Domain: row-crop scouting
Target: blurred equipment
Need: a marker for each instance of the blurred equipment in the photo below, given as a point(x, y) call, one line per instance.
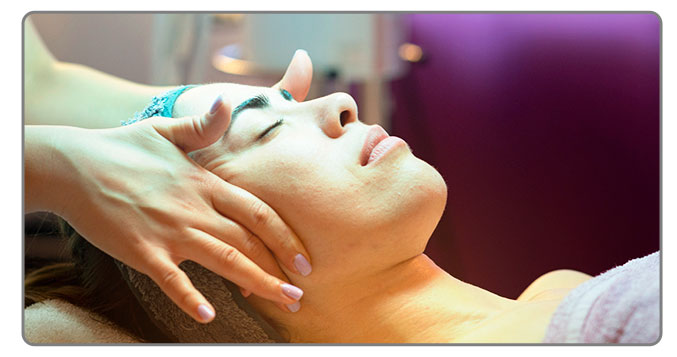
point(179, 48)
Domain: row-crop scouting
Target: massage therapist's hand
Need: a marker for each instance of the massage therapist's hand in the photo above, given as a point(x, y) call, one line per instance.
point(135, 194)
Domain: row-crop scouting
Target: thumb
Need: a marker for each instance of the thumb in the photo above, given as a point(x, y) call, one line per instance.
point(196, 132)
point(298, 77)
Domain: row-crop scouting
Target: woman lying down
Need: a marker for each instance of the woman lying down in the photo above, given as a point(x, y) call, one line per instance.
point(365, 207)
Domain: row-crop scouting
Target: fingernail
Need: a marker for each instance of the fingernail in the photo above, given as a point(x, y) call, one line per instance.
point(302, 265)
point(205, 312)
point(216, 105)
point(292, 291)
point(294, 307)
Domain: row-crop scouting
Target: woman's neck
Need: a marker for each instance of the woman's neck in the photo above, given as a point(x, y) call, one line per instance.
point(412, 302)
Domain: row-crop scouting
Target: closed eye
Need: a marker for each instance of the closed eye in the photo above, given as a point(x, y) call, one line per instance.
point(265, 132)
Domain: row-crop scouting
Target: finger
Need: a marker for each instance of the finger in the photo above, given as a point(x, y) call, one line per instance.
point(177, 286)
point(255, 215)
point(231, 264)
point(297, 78)
point(291, 308)
point(197, 132)
point(244, 241)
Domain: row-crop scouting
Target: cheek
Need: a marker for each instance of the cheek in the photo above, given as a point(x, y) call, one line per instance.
point(315, 187)
point(388, 214)
point(306, 184)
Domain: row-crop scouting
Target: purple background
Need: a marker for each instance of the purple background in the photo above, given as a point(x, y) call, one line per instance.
point(546, 128)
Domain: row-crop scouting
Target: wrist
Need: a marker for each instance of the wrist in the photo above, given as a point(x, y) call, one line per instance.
point(48, 180)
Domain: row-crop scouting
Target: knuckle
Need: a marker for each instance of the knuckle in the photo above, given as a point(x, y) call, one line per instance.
point(254, 247)
point(196, 126)
point(172, 283)
point(266, 284)
point(229, 256)
point(185, 297)
point(169, 278)
point(209, 183)
point(260, 214)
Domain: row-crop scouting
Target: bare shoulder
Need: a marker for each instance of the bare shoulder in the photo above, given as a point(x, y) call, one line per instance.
point(527, 321)
point(553, 284)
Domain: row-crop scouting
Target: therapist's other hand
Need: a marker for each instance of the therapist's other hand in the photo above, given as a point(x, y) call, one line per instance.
point(136, 195)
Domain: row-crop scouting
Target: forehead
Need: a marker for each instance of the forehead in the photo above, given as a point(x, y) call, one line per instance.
point(238, 93)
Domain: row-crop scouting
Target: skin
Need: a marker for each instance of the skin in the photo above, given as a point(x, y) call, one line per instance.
point(313, 159)
point(365, 226)
point(95, 174)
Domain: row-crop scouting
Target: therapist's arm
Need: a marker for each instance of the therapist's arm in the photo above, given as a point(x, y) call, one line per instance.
point(60, 93)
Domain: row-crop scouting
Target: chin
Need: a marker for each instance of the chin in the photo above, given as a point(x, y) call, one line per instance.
point(431, 194)
point(429, 186)
point(438, 187)
point(417, 200)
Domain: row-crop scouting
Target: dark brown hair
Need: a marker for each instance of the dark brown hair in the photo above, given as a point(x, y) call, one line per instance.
point(91, 280)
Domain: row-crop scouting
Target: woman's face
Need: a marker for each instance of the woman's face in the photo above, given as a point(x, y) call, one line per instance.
point(310, 162)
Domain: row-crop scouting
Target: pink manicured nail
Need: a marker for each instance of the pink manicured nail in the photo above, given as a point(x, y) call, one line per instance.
point(292, 291)
point(294, 307)
point(302, 265)
point(205, 312)
point(216, 105)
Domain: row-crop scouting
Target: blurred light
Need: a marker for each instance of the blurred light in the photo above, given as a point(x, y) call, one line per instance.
point(228, 59)
point(232, 65)
point(229, 18)
point(410, 52)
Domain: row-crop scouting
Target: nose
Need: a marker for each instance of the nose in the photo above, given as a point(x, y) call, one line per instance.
point(339, 110)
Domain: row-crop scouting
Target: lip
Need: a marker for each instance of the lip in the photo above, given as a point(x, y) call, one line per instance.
point(377, 144)
point(375, 135)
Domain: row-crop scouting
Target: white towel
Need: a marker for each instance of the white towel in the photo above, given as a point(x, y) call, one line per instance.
point(621, 305)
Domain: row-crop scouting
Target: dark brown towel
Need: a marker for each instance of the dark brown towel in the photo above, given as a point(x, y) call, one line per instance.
point(236, 321)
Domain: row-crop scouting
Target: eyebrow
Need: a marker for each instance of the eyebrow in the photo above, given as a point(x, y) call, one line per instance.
point(258, 102)
point(261, 101)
